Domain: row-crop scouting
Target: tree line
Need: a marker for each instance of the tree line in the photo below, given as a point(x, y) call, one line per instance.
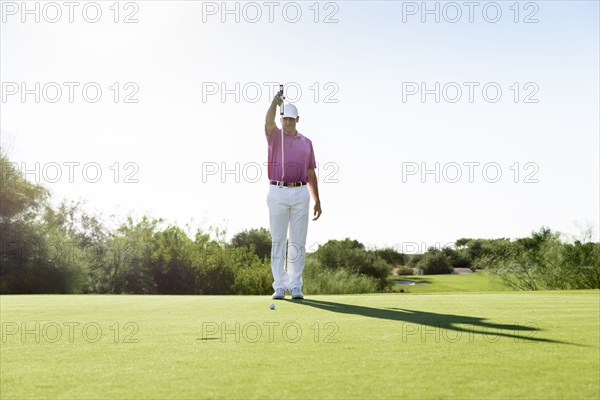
point(46, 249)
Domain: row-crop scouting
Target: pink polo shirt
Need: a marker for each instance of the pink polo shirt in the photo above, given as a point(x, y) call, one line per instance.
point(298, 155)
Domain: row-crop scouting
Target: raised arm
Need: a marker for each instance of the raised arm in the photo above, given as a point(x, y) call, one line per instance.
point(270, 118)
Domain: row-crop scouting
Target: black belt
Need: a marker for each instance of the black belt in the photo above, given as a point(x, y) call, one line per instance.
point(287, 184)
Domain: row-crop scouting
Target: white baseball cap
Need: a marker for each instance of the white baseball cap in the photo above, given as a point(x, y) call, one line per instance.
point(290, 111)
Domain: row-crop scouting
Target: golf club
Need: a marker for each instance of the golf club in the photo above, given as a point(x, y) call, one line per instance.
point(281, 113)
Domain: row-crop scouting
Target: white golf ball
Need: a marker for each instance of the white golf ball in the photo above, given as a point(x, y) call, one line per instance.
point(272, 306)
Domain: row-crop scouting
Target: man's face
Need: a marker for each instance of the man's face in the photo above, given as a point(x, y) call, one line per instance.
point(289, 124)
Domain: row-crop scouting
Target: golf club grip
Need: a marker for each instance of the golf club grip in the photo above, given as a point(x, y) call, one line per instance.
point(281, 108)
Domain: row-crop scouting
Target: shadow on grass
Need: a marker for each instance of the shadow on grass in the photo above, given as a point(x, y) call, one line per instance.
point(436, 322)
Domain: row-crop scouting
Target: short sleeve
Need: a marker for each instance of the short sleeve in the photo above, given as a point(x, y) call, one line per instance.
point(311, 157)
point(276, 131)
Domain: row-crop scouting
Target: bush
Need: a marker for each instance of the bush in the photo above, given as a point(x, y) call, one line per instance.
point(318, 280)
point(391, 256)
point(373, 266)
point(543, 262)
point(255, 279)
point(584, 262)
point(216, 278)
point(339, 253)
point(405, 270)
point(458, 259)
point(351, 256)
point(436, 263)
point(37, 256)
point(414, 260)
point(259, 240)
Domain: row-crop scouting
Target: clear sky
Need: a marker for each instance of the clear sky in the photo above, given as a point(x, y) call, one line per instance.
point(517, 87)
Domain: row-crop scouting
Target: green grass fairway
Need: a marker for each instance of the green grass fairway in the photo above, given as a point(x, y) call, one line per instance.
point(476, 282)
point(455, 345)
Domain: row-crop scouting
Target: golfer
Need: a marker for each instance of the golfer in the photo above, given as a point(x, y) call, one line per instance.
point(292, 180)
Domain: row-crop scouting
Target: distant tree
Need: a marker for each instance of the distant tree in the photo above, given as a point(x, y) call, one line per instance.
point(461, 243)
point(542, 261)
point(17, 195)
point(393, 257)
point(435, 262)
point(457, 258)
point(132, 259)
point(259, 240)
point(339, 253)
point(35, 246)
point(351, 255)
point(537, 239)
point(414, 259)
point(584, 260)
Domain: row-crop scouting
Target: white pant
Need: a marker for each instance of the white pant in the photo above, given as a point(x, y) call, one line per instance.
point(288, 208)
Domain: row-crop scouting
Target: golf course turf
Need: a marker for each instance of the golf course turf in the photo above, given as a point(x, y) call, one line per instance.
point(453, 345)
point(476, 282)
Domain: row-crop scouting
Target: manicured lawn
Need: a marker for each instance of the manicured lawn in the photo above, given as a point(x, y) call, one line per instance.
point(454, 345)
point(476, 282)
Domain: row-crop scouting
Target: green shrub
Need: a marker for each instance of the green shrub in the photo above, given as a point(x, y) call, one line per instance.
point(339, 253)
point(457, 258)
point(351, 256)
point(414, 260)
point(543, 262)
point(255, 279)
point(324, 281)
point(259, 240)
point(405, 270)
point(436, 263)
point(391, 256)
point(216, 278)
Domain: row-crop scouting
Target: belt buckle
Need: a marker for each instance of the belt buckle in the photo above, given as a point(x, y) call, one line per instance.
point(280, 184)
